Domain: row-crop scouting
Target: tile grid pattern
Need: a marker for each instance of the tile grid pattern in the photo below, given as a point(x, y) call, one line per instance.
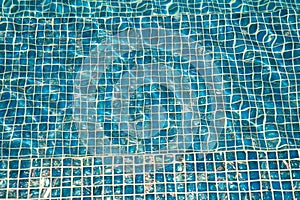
point(43, 157)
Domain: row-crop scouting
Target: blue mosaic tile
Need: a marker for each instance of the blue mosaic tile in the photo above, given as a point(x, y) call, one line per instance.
point(254, 46)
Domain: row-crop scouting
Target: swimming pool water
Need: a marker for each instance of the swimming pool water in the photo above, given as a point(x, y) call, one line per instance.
point(254, 51)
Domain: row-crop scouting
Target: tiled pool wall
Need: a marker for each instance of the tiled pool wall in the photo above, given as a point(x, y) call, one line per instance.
point(226, 175)
point(255, 45)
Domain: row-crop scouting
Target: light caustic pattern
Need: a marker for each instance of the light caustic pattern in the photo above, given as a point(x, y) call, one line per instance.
point(148, 90)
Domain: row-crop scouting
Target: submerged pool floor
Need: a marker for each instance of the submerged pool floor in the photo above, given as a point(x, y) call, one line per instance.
point(149, 100)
